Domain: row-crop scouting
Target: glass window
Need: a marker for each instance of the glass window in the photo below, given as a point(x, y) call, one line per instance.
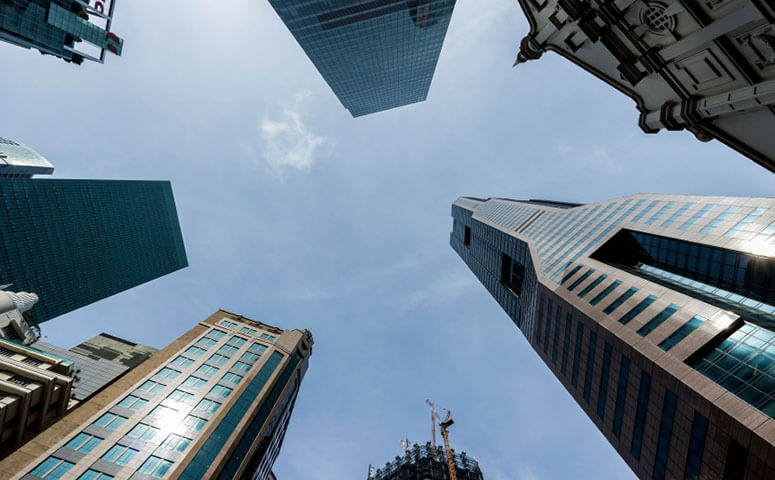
point(577, 354)
point(637, 309)
point(182, 362)
point(619, 301)
point(119, 454)
point(640, 415)
point(218, 359)
point(216, 334)
point(682, 332)
point(715, 222)
point(176, 442)
point(268, 337)
point(697, 216)
point(94, 475)
point(570, 273)
point(590, 365)
point(221, 391)
point(621, 396)
point(750, 218)
point(228, 350)
point(241, 366)
point(206, 342)
point(194, 423)
point(151, 387)
point(581, 279)
point(229, 324)
point(207, 370)
point(250, 357)
point(547, 325)
point(168, 373)
point(238, 341)
point(180, 396)
point(249, 331)
point(565, 344)
point(645, 211)
point(83, 442)
point(665, 433)
point(696, 447)
point(161, 411)
point(133, 403)
point(592, 285)
point(144, 432)
point(195, 382)
point(677, 214)
point(110, 421)
point(659, 213)
point(52, 468)
point(193, 351)
point(155, 467)
point(603, 391)
point(657, 320)
point(208, 405)
point(600, 296)
point(231, 378)
point(257, 348)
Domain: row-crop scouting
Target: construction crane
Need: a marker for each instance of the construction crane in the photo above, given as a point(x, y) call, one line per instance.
point(405, 444)
point(434, 417)
point(445, 434)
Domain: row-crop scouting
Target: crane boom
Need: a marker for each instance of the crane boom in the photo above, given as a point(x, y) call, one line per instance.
point(450, 457)
point(434, 416)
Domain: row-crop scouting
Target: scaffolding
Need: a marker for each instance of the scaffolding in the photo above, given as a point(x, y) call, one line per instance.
point(422, 463)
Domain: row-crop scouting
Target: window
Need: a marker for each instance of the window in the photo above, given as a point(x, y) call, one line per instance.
point(512, 274)
point(268, 337)
point(257, 348)
point(659, 213)
point(644, 304)
point(540, 320)
point(155, 467)
point(194, 423)
point(132, 403)
point(556, 339)
point(577, 355)
point(218, 359)
point(722, 216)
point(665, 432)
point(605, 292)
point(590, 365)
point(205, 342)
point(467, 236)
point(621, 395)
point(250, 357)
point(228, 350)
point(168, 373)
point(209, 406)
point(119, 454)
point(52, 468)
point(231, 378)
point(657, 320)
point(677, 214)
point(180, 396)
point(697, 216)
point(207, 370)
point(83, 442)
point(682, 332)
point(176, 442)
point(144, 432)
point(737, 458)
point(750, 218)
point(151, 387)
point(229, 324)
point(216, 334)
point(570, 273)
point(696, 447)
point(566, 344)
point(640, 414)
point(581, 279)
point(547, 325)
point(221, 391)
point(592, 285)
point(619, 301)
point(182, 362)
point(110, 421)
point(249, 331)
point(161, 411)
point(194, 382)
point(94, 475)
point(241, 366)
point(238, 341)
point(603, 391)
point(194, 351)
point(645, 211)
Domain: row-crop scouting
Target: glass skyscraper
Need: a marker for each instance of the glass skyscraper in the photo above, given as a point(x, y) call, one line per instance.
point(73, 242)
point(374, 54)
point(655, 312)
point(214, 404)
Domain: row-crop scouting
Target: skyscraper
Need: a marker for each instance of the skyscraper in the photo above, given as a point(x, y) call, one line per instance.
point(705, 66)
point(73, 242)
point(213, 404)
point(72, 30)
point(425, 463)
point(18, 160)
point(655, 312)
point(375, 55)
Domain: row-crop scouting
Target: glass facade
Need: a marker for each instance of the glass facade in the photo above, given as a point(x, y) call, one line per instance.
point(74, 242)
point(374, 54)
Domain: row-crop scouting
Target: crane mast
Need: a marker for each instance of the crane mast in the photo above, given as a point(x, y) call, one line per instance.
point(450, 456)
point(434, 416)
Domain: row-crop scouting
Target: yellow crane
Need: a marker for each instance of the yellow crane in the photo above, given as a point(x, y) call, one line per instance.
point(450, 456)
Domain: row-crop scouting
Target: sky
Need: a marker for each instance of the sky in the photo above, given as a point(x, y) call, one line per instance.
point(297, 215)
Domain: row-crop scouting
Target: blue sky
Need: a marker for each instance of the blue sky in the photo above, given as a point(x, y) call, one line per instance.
point(298, 215)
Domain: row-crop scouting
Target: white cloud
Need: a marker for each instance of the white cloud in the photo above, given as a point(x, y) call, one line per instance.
point(287, 142)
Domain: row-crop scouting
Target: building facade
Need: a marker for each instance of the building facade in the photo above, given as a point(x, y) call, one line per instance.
point(73, 242)
point(655, 312)
point(19, 160)
point(422, 462)
point(707, 66)
point(72, 30)
point(374, 55)
point(213, 404)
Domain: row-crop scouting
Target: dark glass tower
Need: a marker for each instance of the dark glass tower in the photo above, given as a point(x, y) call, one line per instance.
point(655, 312)
point(375, 55)
point(74, 242)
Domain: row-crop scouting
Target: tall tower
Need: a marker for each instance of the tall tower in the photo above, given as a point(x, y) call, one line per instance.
point(213, 404)
point(73, 242)
point(374, 55)
point(655, 312)
point(706, 66)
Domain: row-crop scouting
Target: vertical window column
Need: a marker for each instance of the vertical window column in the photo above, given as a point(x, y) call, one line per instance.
point(696, 447)
point(621, 395)
point(601, 397)
point(577, 355)
point(665, 433)
point(590, 365)
point(640, 414)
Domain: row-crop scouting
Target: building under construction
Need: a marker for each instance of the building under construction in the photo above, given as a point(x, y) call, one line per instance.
point(426, 463)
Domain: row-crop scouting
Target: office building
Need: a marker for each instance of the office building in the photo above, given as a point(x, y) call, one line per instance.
point(374, 55)
point(98, 362)
point(19, 160)
point(706, 66)
point(73, 242)
point(213, 404)
point(34, 387)
point(655, 312)
point(425, 463)
point(72, 30)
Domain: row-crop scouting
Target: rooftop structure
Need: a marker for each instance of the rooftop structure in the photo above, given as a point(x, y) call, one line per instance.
point(655, 312)
point(422, 462)
point(375, 55)
point(72, 30)
point(18, 160)
point(74, 242)
point(706, 66)
point(115, 349)
point(213, 404)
